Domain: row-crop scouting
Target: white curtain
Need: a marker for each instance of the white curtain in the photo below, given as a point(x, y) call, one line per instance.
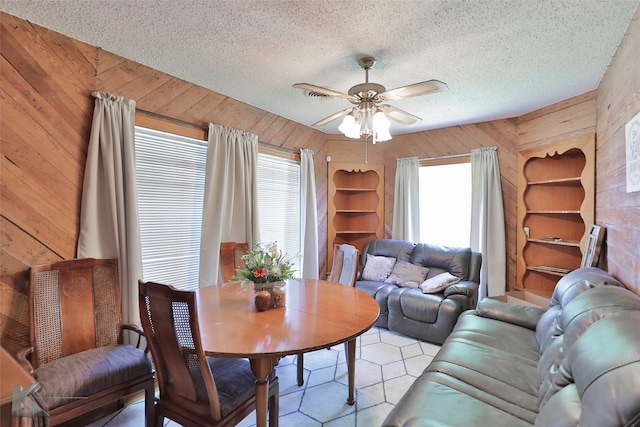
point(109, 225)
point(406, 203)
point(487, 221)
point(309, 217)
point(230, 208)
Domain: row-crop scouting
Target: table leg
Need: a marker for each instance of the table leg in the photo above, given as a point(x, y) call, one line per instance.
point(261, 368)
point(350, 347)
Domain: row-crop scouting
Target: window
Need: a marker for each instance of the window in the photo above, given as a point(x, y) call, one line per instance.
point(445, 204)
point(170, 174)
point(279, 199)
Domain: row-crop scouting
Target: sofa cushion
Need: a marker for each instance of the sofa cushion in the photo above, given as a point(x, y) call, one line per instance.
point(482, 331)
point(503, 373)
point(520, 315)
point(438, 283)
point(577, 317)
point(579, 281)
point(438, 400)
point(407, 275)
point(605, 363)
point(442, 259)
point(597, 380)
point(88, 372)
point(378, 268)
point(399, 249)
point(563, 411)
point(234, 381)
point(413, 304)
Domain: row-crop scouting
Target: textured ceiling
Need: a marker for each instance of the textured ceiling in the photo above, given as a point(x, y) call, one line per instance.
point(500, 58)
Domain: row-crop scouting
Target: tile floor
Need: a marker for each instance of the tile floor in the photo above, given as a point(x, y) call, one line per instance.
point(387, 364)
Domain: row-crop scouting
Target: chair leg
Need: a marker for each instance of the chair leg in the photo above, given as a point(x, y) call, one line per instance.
point(274, 403)
point(149, 404)
point(300, 363)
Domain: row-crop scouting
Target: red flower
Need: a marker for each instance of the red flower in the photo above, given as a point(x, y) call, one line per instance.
point(260, 272)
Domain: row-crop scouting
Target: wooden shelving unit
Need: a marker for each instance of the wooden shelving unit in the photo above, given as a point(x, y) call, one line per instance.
point(355, 204)
point(556, 202)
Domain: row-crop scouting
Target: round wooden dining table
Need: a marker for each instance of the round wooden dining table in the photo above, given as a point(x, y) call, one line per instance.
point(317, 314)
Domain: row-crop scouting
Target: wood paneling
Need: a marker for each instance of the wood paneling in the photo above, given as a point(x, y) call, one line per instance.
point(619, 101)
point(46, 116)
point(565, 120)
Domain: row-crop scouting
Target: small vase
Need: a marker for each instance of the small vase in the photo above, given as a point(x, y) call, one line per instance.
point(279, 294)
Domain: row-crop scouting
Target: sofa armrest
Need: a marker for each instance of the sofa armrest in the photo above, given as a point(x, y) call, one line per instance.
point(521, 315)
point(466, 289)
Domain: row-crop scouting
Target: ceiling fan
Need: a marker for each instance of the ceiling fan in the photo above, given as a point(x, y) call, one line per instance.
point(369, 99)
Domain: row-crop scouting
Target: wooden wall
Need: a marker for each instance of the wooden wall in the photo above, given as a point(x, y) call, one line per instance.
point(618, 101)
point(558, 122)
point(45, 87)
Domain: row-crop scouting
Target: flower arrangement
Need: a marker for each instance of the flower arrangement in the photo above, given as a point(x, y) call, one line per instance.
point(264, 263)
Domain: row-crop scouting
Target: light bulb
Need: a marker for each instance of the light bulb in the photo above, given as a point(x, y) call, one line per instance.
point(381, 127)
point(349, 127)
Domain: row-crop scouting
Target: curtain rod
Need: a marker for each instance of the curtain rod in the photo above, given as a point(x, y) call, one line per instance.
point(172, 119)
point(277, 147)
point(206, 128)
point(450, 156)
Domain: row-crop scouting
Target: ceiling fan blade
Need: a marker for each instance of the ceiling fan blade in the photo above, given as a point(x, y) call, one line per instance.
point(399, 115)
point(322, 90)
point(416, 89)
point(333, 117)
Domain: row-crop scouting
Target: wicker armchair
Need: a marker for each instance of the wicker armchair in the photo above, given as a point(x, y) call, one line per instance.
point(76, 335)
point(344, 269)
point(195, 390)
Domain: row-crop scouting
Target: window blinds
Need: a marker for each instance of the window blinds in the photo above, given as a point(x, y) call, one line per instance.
point(279, 199)
point(170, 173)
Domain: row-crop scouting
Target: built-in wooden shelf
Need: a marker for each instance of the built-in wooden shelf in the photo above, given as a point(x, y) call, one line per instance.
point(575, 243)
point(556, 204)
point(355, 189)
point(355, 205)
point(571, 180)
point(549, 270)
point(548, 212)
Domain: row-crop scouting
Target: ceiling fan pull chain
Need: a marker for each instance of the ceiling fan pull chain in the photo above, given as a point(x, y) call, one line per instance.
point(366, 152)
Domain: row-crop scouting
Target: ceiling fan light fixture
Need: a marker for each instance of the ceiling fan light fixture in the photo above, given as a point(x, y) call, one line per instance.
point(370, 117)
point(349, 127)
point(381, 127)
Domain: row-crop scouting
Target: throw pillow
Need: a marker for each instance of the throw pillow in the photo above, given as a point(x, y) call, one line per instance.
point(407, 275)
point(438, 283)
point(378, 268)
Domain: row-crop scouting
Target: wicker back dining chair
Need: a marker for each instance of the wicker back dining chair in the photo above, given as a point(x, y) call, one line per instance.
point(345, 265)
point(231, 258)
point(195, 390)
point(344, 269)
point(76, 332)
